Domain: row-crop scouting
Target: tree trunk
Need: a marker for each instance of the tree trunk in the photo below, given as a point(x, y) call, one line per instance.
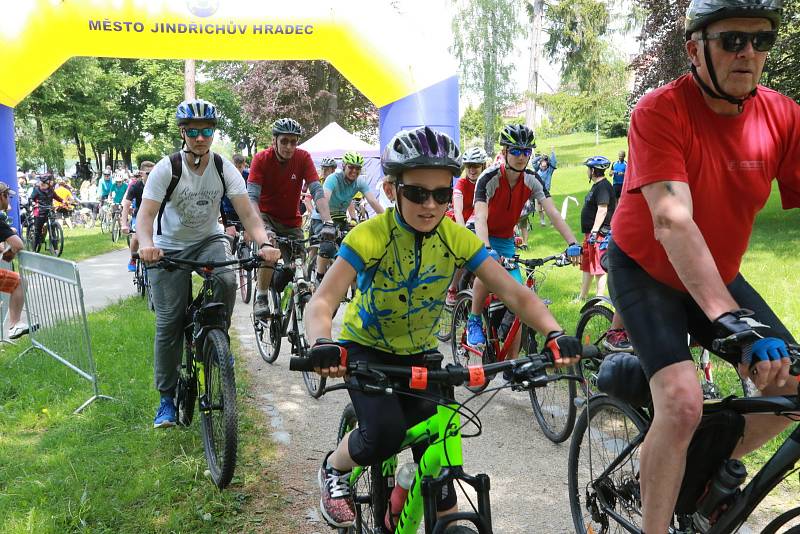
point(189, 77)
point(127, 153)
point(334, 85)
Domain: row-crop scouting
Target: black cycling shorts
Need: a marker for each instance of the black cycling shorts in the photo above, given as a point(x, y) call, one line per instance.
point(658, 317)
point(383, 419)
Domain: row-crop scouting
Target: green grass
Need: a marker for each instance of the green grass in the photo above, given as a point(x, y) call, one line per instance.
point(770, 264)
point(82, 243)
point(107, 470)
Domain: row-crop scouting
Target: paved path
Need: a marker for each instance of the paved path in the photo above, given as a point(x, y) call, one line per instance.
point(105, 279)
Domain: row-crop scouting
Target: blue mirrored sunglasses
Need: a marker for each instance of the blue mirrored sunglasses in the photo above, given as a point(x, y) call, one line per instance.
point(194, 132)
point(520, 151)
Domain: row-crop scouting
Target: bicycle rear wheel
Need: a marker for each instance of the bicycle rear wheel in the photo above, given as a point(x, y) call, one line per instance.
point(554, 404)
point(786, 523)
point(370, 488)
point(606, 429)
point(245, 275)
point(269, 330)
point(218, 415)
point(30, 238)
point(592, 328)
point(186, 390)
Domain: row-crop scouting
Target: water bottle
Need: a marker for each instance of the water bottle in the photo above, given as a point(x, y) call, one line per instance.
point(403, 480)
point(505, 325)
point(726, 481)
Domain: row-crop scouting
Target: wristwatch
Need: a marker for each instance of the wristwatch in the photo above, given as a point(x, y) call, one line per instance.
point(264, 245)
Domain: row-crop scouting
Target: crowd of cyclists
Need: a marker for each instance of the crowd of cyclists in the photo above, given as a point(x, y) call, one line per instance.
point(667, 234)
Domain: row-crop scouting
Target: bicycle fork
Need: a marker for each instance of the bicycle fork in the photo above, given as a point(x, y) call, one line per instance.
point(443, 457)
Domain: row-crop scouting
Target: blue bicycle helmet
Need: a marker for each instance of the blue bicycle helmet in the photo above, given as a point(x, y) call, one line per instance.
point(598, 162)
point(195, 110)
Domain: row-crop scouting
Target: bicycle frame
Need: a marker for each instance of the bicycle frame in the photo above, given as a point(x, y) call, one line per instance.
point(441, 462)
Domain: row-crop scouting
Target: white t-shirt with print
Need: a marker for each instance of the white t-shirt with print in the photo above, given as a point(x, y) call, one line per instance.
point(192, 213)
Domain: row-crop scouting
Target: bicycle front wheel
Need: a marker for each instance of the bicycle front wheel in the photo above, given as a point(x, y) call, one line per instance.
point(55, 239)
point(592, 328)
point(315, 384)
point(218, 415)
point(554, 404)
point(458, 336)
point(370, 488)
point(445, 324)
point(607, 431)
point(116, 230)
point(269, 330)
point(245, 275)
point(105, 223)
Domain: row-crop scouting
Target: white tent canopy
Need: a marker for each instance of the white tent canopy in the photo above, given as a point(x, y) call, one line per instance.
point(333, 141)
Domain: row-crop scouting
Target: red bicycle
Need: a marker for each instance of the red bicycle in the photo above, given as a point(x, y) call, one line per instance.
point(552, 405)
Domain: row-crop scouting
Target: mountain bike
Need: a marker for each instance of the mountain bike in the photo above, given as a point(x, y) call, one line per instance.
point(592, 328)
point(442, 461)
point(289, 292)
point(552, 406)
point(603, 468)
point(206, 374)
point(52, 233)
point(141, 282)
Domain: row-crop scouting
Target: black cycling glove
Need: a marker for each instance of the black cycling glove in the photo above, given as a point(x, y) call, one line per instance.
point(562, 345)
point(328, 232)
point(327, 353)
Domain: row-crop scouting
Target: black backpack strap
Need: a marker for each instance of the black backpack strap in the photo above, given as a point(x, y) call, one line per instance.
point(177, 170)
point(218, 165)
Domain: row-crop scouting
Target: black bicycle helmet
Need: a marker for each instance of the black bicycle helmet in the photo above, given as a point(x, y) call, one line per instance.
point(421, 148)
point(287, 126)
point(517, 136)
point(701, 13)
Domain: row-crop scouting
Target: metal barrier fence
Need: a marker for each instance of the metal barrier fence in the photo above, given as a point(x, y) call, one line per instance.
point(56, 315)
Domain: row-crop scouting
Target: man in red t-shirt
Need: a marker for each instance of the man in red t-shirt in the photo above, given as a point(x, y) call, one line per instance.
point(277, 176)
point(704, 151)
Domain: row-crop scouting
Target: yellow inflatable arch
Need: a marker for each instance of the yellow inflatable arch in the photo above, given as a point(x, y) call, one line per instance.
point(372, 45)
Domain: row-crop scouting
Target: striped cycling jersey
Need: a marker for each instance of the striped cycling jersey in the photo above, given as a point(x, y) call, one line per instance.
point(402, 281)
point(505, 204)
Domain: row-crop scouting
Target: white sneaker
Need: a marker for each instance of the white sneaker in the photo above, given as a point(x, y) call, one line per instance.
point(19, 330)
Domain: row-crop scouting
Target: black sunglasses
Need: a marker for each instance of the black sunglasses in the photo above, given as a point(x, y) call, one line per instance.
point(737, 41)
point(420, 195)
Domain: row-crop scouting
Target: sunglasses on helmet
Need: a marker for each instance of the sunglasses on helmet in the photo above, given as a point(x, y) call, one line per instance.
point(734, 41)
point(420, 195)
point(194, 132)
point(516, 151)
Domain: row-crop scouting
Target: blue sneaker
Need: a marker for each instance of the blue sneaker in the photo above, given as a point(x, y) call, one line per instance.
point(475, 336)
point(165, 416)
point(132, 266)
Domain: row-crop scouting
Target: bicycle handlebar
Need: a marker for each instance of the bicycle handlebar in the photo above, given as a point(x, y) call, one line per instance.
point(511, 263)
point(526, 369)
point(173, 263)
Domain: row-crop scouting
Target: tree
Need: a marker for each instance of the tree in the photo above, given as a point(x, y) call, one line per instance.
point(593, 77)
point(484, 33)
point(783, 62)
point(662, 55)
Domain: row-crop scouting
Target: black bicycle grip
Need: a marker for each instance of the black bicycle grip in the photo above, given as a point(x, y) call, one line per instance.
point(300, 364)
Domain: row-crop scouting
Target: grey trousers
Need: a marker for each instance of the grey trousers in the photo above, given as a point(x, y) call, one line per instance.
point(171, 292)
